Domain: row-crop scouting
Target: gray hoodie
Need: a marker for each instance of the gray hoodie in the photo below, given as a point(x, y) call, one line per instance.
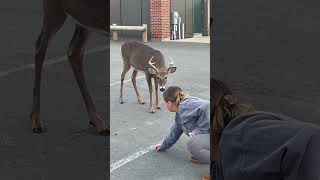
point(193, 115)
point(268, 146)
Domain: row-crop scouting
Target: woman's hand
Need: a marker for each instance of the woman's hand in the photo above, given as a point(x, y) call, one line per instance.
point(158, 147)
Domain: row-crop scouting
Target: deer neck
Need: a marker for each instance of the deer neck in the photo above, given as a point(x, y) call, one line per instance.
point(158, 61)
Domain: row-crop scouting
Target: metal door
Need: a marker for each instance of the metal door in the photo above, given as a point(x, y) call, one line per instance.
point(198, 16)
point(131, 16)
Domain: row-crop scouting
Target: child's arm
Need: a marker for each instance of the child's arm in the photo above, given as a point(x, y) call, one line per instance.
point(172, 138)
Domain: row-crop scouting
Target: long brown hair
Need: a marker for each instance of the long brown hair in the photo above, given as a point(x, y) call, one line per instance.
point(224, 108)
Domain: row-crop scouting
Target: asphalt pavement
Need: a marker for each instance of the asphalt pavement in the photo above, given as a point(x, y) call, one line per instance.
point(268, 53)
point(69, 148)
point(135, 131)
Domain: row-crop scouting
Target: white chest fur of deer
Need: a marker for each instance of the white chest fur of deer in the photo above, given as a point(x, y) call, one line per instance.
point(148, 60)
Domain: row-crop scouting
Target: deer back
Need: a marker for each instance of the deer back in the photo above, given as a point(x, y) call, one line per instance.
point(138, 56)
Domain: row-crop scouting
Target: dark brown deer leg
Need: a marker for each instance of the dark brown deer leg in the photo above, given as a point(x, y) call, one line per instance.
point(148, 77)
point(156, 90)
point(126, 68)
point(47, 33)
point(75, 54)
point(134, 82)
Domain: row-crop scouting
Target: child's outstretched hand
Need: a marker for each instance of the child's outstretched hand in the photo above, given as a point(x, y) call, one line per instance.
point(158, 147)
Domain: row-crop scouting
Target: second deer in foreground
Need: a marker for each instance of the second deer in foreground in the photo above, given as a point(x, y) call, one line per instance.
point(148, 60)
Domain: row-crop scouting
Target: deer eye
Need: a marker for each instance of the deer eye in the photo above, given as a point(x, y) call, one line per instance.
point(165, 78)
point(158, 78)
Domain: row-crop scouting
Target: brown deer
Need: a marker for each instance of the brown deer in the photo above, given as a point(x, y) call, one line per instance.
point(148, 60)
point(90, 15)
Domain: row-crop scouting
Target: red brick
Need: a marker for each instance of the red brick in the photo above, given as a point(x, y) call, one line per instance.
point(160, 19)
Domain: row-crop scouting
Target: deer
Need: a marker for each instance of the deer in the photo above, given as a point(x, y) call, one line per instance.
point(145, 59)
point(90, 16)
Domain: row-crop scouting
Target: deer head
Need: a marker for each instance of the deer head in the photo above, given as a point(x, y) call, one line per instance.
point(161, 74)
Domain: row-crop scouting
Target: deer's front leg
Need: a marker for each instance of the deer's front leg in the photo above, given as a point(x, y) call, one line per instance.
point(156, 90)
point(148, 76)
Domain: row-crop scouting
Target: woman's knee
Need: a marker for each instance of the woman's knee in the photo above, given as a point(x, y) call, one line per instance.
point(192, 145)
point(201, 141)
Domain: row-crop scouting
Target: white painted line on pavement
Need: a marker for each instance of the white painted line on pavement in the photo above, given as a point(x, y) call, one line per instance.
point(139, 77)
point(130, 158)
point(50, 61)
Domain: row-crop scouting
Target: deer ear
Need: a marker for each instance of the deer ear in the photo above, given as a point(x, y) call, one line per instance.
point(152, 71)
point(172, 69)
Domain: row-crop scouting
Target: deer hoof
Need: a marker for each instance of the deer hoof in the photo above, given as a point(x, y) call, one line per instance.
point(121, 101)
point(158, 107)
point(36, 125)
point(105, 132)
point(37, 130)
point(141, 101)
point(151, 110)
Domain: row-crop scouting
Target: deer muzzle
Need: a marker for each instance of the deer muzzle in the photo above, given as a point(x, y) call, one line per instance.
point(162, 88)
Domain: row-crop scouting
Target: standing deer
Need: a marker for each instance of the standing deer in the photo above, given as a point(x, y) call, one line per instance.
point(90, 15)
point(148, 60)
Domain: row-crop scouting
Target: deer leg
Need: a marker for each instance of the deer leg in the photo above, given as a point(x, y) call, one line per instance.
point(148, 77)
point(134, 82)
point(47, 33)
point(126, 68)
point(156, 90)
point(75, 55)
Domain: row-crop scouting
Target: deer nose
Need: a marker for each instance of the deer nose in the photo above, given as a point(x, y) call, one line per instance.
point(162, 89)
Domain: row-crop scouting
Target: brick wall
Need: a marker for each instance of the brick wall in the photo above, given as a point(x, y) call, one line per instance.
point(160, 19)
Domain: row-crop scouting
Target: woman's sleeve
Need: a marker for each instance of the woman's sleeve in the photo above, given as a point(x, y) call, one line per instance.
point(174, 135)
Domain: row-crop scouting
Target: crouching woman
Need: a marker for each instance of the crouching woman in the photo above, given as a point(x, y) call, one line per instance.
point(192, 117)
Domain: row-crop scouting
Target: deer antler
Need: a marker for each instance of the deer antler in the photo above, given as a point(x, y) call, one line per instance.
point(171, 63)
point(152, 64)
